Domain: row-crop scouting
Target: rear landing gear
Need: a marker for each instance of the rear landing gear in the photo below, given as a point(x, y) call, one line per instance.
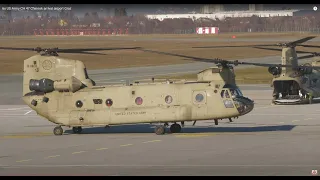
point(58, 131)
point(216, 121)
point(175, 128)
point(160, 130)
point(77, 130)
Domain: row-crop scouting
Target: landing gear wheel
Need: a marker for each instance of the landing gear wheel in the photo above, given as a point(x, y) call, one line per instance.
point(175, 128)
point(310, 100)
point(160, 130)
point(216, 122)
point(58, 131)
point(77, 130)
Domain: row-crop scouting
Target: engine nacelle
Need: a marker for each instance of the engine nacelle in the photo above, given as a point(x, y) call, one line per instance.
point(274, 70)
point(47, 85)
point(307, 69)
point(42, 85)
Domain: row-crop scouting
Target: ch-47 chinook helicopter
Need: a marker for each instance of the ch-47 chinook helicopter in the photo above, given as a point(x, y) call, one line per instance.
point(61, 91)
point(292, 84)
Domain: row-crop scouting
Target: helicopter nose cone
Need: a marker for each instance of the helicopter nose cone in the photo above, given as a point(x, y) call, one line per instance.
point(244, 105)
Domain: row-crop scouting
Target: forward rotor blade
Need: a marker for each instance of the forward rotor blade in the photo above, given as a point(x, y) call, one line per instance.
point(296, 43)
point(235, 46)
point(79, 50)
point(235, 62)
point(92, 49)
point(273, 49)
point(300, 41)
point(184, 56)
point(312, 46)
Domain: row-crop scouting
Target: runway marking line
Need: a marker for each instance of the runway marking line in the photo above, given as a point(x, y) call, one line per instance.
point(25, 160)
point(268, 106)
point(195, 135)
point(79, 152)
point(281, 122)
point(265, 107)
point(21, 136)
point(101, 149)
point(152, 141)
point(28, 112)
point(126, 145)
point(308, 119)
point(52, 156)
point(221, 133)
point(13, 109)
point(295, 120)
point(15, 137)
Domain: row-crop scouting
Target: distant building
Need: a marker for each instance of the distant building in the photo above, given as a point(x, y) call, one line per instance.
point(255, 7)
point(211, 8)
point(223, 15)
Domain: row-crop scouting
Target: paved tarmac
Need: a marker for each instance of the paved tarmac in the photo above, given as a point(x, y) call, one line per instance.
point(271, 140)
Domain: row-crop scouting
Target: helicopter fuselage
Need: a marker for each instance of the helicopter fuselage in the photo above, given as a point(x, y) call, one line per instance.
point(139, 103)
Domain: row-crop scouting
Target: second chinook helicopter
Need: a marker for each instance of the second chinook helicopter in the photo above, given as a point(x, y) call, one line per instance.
point(292, 84)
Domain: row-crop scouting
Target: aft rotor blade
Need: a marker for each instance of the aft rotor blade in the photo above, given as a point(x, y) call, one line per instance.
point(80, 52)
point(306, 56)
point(18, 49)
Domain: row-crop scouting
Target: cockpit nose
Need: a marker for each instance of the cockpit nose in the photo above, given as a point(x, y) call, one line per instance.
point(244, 105)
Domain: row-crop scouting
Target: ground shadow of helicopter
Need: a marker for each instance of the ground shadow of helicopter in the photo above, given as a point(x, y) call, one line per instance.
point(147, 128)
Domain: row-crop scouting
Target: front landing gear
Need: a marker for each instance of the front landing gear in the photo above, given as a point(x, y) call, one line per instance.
point(216, 121)
point(58, 131)
point(175, 128)
point(77, 130)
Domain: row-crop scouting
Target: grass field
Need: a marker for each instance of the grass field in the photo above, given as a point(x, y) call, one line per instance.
point(12, 61)
point(256, 75)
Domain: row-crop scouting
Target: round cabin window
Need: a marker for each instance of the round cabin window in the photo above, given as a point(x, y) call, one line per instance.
point(199, 97)
point(168, 99)
point(79, 104)
point(109, 102)
point(138, 100)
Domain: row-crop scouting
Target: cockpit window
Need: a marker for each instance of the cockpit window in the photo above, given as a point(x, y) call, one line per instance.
point(234, 90)
point(225, 94)
point(86, 73)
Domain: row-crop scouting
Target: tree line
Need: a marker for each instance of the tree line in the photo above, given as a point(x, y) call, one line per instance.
point(139, 24)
